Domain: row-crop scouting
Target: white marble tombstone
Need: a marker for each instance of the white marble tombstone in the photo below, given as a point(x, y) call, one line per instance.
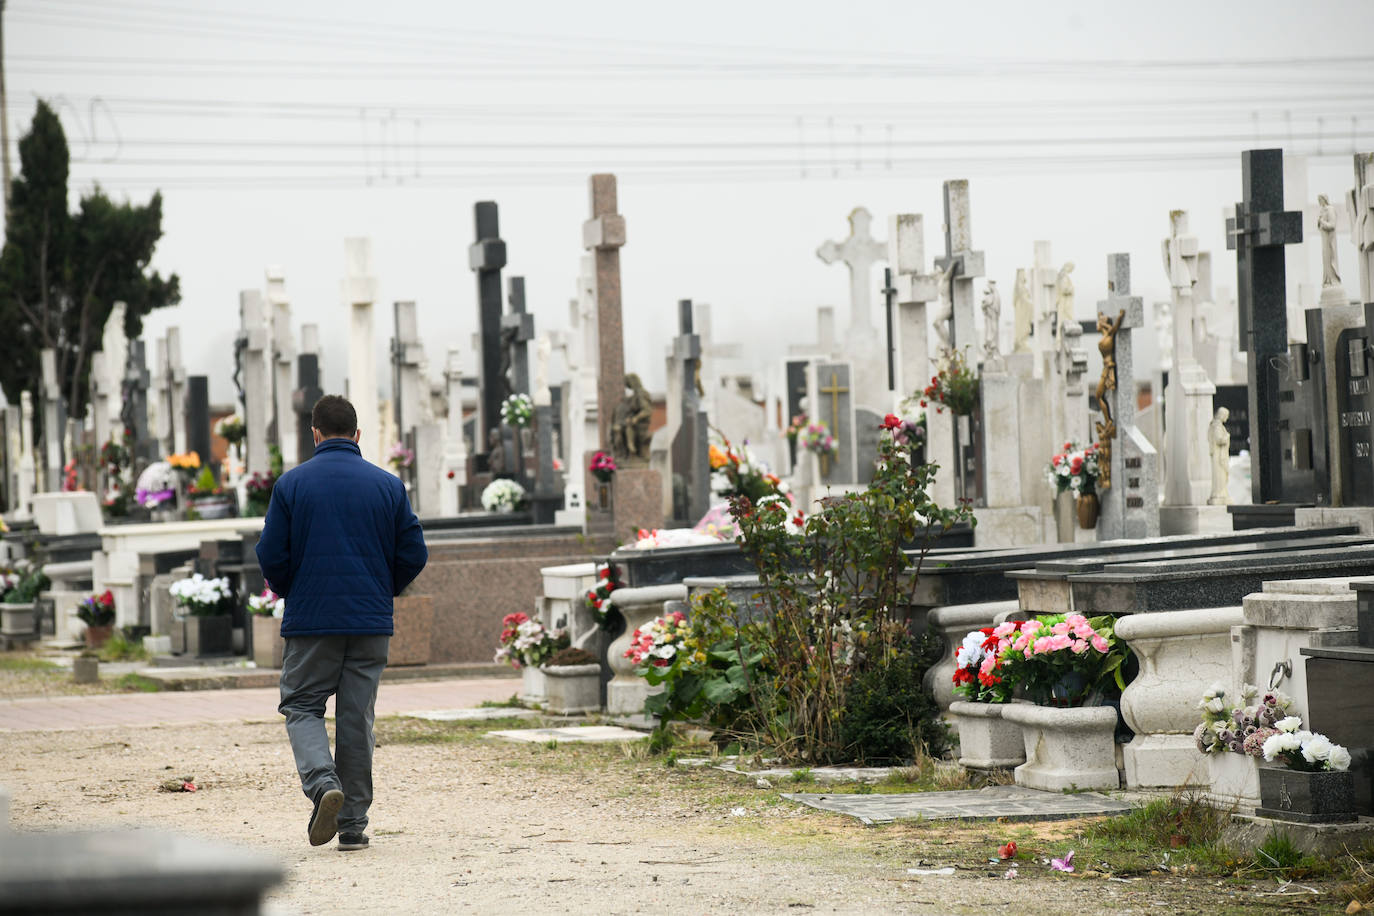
point(283, 364)
point(52, 422)
point(359, 292)
point(115, 346)
point(257, 383)
point(409, 353)
point(1360, 210)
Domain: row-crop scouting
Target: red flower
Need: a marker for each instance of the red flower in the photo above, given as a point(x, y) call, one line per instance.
point(798, 519)
point(1008, 851)
point(923, 403)
point(891, 421)
point(450, 475)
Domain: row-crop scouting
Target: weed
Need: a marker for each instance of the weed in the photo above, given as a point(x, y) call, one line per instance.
point(119, 648)
point(1169, 823)
point(512, 703)
point(803, 775)
point(137, 683)
point(551, 744)
point(1279, 853)
point(26, 663)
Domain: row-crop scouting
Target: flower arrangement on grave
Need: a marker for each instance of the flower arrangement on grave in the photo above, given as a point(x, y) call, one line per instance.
point(9, 578)
point(526, 642)
point(979, 675)
point(266, 603)
point(69, 483)
point(97, 610)
point(184, 462)
point(603, 467)
point(232, 430)
point(400, 457)
point(22, 585)
point(1075, 469)
point(910, 429)
point(1062, 659)
point(258, 492)
point(156, 485)
point(657, 643)
point(794, 429)
point(736, 472)
point(596, 598)
point(1299, 749)
point(205, 485)
point(1243, 727)
point(517, 411)
point(503, 495)
point(202, 597)
point(955, 387)
point(114, 456)
point(816, 439)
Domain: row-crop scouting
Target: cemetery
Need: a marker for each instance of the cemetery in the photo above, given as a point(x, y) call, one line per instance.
point(1086, 580)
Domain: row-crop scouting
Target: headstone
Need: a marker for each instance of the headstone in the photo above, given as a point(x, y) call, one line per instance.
point(517, 330)
point(160, 399)
point(834, 400)
point(1130, 506)
point(303, 398)
point(1042, 278)
point(1188, 398)
point(142, 447)
point(1360, 208)
point(359, 288)
point(1023, 314)
point(1300, 424)
point(53, 421)
point(254, 371)
point(1355, 407)
point(176, 389)
point(1257, 233)
point(546, 498)
point(486, 257)
point(282, 430)
point(455, 448)
point(198, 415)
point(967, 264)
point(690, 447)
point(860, 252)
point(408, 385)
point(10, 442)
point(603, 235)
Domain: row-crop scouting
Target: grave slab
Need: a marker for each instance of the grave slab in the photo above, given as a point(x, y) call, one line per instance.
point(1010, 803)
point(572, 733)
point(480, 714)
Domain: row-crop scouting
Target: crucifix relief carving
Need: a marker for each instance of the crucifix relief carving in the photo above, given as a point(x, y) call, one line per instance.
point(834, 390)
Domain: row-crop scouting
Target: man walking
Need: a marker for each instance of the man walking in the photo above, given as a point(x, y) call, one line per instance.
point(339, 542)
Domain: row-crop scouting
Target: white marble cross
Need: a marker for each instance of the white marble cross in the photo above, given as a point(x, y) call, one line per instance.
point(256, 381)
point(283, 364)
point(967, 264)
point(359, 292)
point(860, 253)
point(906, 253)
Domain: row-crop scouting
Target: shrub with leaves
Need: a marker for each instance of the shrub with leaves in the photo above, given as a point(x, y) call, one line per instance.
point(888, 717)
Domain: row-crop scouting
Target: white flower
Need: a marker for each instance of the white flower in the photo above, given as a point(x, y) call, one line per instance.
point(1214, 705)
point(1316, 748)
point(1271, 747)
point(667, 650)
point(1249, 692)
point(1338, 758)
point(1288, 724)
point(971, 652)
point(1218, 689)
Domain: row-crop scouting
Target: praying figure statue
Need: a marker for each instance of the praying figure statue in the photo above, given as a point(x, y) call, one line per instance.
point(1326, 225)
point(992, 323)
point(630, 422)
point(1219, 446)
point(1063, 296)
point(1023, 311)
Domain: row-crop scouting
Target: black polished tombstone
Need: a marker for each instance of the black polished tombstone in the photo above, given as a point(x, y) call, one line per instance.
point(796, 398)
point(1354, 407)
point(1257, 233)
point(1299, 380)
point(303, 399)
point(198, 416)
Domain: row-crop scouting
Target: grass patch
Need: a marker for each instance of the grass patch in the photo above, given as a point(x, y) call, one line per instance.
point(119, 648)
point(26, 663)
point(512, 703)
point(137, 683)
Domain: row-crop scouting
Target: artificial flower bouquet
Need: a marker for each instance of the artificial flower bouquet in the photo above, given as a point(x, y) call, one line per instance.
point(205, 486)
point(202, 597)
point(503, 495)
point(156, 485)
point(978, 677)
point(518, 411)
point(266, 603)
point(258, 490)
point(794, 429)
point(1074, 469)
point(603, 467)
point(1299, 749)
point(1239, 727)
point(736, 472)
point(97, 610)
point(815, 437)
point(400, 457)
point(526, 642)
point(232, 430)
point(1061, 659)
point(601, 592)
point(657, 643)
point(22, 585)
point(955, 386)
point(185, 462)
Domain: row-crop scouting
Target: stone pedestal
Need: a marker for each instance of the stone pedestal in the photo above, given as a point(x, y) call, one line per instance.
point(953, 623)
point(1180, 654)
point(268, 643)
point(637, 502)
point(986, 740)
point(1066, 748)
point(626, 693)
point(1194, 520)
point(532, 686)
point(412, 623)
point(572, 690)
point(1233, 781)
point(564, 603)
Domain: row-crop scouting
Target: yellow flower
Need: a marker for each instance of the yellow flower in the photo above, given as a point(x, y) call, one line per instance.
point(718, 458)
point(700, 657)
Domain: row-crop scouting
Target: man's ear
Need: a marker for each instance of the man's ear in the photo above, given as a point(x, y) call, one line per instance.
point(357, 434)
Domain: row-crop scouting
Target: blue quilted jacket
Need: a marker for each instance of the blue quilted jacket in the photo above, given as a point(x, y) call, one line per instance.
point(339, 542)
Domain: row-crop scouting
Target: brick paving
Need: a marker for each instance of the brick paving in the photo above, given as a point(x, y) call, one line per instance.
point(202, 706)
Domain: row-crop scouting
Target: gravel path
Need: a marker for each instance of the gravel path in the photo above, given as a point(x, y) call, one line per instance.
point(462, 823)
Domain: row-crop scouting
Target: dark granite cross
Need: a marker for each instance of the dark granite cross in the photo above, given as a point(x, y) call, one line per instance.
point(889, 299)
point(517, 330)
point(486, 257)
point(303, 399)
point(135, 412)
point(1257, 233)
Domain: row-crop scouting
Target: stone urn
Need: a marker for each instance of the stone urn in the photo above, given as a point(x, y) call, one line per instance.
point(627, 691)
point(267, 641)
point(1323, 797)
point(532, 686)
point(1066, 747)
point(1065, 516)
point(97, 636)
point(987, 741)
point(953, 623)
point(572, 690)
point(16, 620)
point(1234, 780)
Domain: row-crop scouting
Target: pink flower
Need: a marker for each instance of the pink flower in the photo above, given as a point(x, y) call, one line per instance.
point(1079, 646)
point(1083, 631)
point(1075, 620)
point(1065, 864)
point(1003, 630)
point(1060, 642)
point(1100, 643)
point(1060, 628)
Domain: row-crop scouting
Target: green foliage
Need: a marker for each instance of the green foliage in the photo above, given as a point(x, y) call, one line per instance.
point(955, 387)
point(120, 648)
point(1183, 820)
point(62, 272)
point(137, 683)
point(888, 717)
point(1279, 853)
point(28, 587)
point(205, 483)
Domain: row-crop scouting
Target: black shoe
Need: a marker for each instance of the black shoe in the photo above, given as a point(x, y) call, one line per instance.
point(351, 841)
point(324, 820)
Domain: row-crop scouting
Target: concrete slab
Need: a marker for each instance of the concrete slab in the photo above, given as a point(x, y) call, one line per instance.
point(1012, 803)
point(570, 733)
point(481, 714)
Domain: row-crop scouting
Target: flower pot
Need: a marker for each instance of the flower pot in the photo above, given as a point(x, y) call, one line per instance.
point(97, 635)
point(1234, 779)
point(1066, 748)
point(572, 689)
point(16, 620)
point(412, 626)
point(532, 686)
point(1324, 797)
point(267, 641)
point(986, 740)
point(85, 670)
point(206, 636)
point(1064, 516)
point(1087, 510)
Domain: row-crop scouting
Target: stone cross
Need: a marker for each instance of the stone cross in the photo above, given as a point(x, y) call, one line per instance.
point(281, 430)
point(1043, 278)
point(1257, 233)
point(486, 257)
point(1188, 400)
point(1130, 506)
point(455, 464)
point(409, 386)
point(160, 401)
point(142, 448)
point(100, 397)
point(359, 289)
point(603, 235)
point(303, 398)
point(967, 263)
point(1180, 264)
point(859, 252)
point(53, 421)
point(906, 252)
point(1360, 208)
point(690, 447)
point(517, 330)
point(176, 389)
point(256, 381)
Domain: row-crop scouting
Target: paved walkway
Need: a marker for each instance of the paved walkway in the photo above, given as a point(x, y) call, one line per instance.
point(201, 706)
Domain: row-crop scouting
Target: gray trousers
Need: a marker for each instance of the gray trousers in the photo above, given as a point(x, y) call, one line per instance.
point(313, 668)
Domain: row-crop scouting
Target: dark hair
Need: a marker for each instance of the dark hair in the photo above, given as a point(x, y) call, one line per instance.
point(333, 416)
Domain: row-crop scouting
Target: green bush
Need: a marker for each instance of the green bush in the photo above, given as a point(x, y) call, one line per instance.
point(888, 716)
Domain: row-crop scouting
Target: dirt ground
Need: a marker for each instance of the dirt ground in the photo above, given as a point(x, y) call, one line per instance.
point(466, 823)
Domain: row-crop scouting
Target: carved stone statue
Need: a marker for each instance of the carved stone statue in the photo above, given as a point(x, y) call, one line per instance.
point(1106, 428)
point(1063, 296)
point(630, 423)
point(944, 317)
point(1023, 311)
point(496, 453)
point(1219, 445)
point(1326, 225)
point(992, 323)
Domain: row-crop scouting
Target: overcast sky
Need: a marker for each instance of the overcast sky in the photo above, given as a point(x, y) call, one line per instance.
point(743, 133)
